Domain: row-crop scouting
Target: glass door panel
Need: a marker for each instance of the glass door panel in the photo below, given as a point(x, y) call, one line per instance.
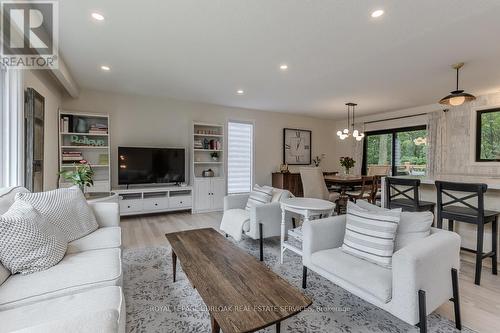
point(411, 153)
point(379, 154)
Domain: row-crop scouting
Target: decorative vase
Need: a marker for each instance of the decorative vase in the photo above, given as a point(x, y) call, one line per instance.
point(347, 171)
point(82, 126)
point(215, 158)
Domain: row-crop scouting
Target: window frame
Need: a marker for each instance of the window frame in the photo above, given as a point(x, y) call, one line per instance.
point(478, 126)
point(393, 132)
point(252, 165)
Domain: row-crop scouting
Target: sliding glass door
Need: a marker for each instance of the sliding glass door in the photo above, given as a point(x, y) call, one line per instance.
point(399, 151)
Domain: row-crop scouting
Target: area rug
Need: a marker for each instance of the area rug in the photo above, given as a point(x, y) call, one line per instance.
point(156, 304)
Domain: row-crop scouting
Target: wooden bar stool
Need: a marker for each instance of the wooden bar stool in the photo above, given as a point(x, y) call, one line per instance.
point(402, 197)
point(468, 213)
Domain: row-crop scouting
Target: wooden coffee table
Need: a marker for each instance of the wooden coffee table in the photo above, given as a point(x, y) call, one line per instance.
point(241, 293)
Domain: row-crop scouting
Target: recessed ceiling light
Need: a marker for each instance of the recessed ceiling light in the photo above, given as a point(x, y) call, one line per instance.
point(377, 13)
point(240, 92)
point(283, 67)
point(97, 16)
point(105, 68)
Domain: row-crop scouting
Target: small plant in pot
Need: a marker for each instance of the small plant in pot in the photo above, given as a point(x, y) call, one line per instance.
point(82, 175)
point(215, 156)
point(317, 160)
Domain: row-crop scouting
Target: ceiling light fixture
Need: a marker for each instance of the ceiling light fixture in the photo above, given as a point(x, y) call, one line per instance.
point(350, 130)
point(457, 97)
point(377, 13)
point(240, 92)
point(105, 68)
point(284, 67)
point(97, 16)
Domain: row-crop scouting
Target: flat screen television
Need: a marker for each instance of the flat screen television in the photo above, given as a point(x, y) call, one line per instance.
point(138, 165)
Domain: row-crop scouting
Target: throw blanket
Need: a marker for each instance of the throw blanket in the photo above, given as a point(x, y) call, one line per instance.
point(233, 221)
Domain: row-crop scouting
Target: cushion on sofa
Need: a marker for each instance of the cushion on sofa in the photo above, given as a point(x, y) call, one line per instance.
point(102, 238)
point(28, 242)
point(4, 274)
point(78, 271)
point(260, 195)
point(96, 310)
point(370, 234)
point(8, 195)
point(371, 278)
point(66, 208)
point(412, 226)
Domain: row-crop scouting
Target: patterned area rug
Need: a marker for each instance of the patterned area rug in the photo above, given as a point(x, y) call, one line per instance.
point(155, 304)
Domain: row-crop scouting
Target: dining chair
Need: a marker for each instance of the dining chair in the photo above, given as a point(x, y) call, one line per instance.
point(404, 193)
point(365, 191)
point(467, 212)
point(313, 183)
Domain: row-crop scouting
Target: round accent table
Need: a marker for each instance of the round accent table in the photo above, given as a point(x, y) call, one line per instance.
point(306, 207)
point(93, 197)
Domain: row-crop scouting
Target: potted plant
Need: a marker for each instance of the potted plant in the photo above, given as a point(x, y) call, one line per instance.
point(317, 160)
point(347, 163)
point(215, 156)
point(82, 175)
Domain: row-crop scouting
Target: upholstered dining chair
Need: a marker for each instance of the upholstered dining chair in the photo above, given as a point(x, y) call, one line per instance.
point(313, 183)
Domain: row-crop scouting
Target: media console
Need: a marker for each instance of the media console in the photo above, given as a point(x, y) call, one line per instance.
point(146, 200)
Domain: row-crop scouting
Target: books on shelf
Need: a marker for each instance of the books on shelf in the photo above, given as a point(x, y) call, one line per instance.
point(98, 129)
point(71, 156)
point(64, 124)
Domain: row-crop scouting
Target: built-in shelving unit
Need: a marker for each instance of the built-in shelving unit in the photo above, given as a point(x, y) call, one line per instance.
point(85, 136)
point(208, 191)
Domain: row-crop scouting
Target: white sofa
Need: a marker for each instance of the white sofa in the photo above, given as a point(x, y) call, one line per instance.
point(422, 278)
point(82, 293)
point(262, 221)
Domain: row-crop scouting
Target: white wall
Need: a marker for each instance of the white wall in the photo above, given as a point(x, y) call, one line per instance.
point(45, 85)
point(154, 121)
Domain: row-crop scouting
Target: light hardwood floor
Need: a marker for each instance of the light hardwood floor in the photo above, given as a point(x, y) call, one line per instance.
point(480, 304)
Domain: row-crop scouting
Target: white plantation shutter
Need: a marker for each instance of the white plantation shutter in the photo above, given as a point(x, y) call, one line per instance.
point(239, 157)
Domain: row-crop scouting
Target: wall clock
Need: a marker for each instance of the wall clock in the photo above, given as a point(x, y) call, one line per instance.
point(296, 146)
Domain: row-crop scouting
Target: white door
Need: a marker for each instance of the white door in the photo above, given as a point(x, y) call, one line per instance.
point(218, 193)
point(203, 197)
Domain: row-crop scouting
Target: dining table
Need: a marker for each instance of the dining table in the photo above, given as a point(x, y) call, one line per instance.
point(343, 182)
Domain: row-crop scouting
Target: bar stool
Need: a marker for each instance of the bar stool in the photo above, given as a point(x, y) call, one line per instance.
point(402, 198)
point(469, 214)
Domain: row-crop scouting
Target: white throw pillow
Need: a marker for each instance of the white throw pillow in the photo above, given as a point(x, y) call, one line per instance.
point(370, 235)
point(259, 196)
point(413, 225)
point(66, 208)
point(28, 242)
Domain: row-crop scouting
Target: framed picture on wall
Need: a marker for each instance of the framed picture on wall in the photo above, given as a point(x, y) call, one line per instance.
point(296, 146)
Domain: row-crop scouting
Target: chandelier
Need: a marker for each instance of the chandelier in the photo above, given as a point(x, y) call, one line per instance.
point(350, 130)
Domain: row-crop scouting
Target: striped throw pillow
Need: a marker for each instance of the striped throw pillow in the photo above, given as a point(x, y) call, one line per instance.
point(259, 196)
point(370, 235)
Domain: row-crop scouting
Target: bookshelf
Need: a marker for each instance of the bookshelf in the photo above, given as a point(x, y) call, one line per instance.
point(208, 139)
point(85, 136)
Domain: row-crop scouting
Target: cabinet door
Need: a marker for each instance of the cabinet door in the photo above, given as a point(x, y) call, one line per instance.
point(203, 198)
point(218, 193)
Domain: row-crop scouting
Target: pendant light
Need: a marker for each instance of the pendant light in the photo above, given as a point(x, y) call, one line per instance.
point(457, 97)
point(350, 130)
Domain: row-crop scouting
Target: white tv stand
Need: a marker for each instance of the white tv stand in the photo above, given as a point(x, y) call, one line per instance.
point(147, 200)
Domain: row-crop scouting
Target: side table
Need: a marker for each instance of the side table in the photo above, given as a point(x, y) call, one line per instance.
point(306, 207)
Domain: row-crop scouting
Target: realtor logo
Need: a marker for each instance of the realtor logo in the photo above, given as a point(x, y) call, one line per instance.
point(29, 34)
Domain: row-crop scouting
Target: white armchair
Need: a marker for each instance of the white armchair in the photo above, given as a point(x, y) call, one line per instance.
point(423, 274)
point(263, 220)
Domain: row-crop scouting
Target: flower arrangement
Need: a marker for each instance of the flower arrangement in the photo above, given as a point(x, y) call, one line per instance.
point(82, 175)
point(317, 160)
point(347, 163)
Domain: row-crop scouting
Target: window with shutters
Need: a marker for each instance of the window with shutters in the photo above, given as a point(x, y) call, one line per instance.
point(239, 157)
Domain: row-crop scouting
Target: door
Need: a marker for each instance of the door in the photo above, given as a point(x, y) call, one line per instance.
point(34, 136)
point(202, 192)
point(218, 193)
